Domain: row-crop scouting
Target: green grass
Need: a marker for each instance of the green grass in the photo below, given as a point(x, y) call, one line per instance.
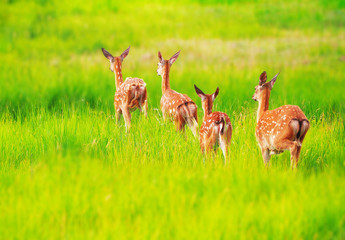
point(67, 171)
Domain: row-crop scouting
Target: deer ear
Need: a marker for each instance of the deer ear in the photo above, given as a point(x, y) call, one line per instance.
point(215, 94)
point(174, 57)
point(160, 56)
point(107, 54)
point(200, 93)
point(263, 78)
point(274, 80)
point(125, 53)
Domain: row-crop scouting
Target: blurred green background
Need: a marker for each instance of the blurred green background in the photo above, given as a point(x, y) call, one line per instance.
point(68, 171)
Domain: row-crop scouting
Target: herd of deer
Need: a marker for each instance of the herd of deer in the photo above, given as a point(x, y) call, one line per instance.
point(283, 128)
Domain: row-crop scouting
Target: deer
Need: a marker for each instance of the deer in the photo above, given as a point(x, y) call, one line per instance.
point(280, 129)
point(130, 94)
point(178, 107)
point(216, 128)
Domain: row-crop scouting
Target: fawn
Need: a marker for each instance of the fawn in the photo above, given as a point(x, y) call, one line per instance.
point(130, 94)
point(177, 106)
point(216, 127)
point(283, 128)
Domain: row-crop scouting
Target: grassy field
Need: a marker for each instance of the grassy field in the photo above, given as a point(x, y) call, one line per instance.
point(67, 171)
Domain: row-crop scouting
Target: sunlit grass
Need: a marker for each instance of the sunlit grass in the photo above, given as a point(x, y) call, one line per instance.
point(68, 171)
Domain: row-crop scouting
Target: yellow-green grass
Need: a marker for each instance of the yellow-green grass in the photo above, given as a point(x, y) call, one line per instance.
point(68, 171)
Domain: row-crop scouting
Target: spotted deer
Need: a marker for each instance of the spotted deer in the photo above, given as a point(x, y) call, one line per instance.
point(216, 128)
point(130, 94)
point(178, 107)
point(280, 129)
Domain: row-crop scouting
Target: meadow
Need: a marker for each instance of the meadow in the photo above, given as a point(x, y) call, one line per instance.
point(67, 171)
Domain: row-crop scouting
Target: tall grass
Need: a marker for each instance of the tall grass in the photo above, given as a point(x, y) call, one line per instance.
point(68, 171)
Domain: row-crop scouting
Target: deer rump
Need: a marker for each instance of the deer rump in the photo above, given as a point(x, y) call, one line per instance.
point(188, 112)
point(299, 128)
point(220, 127)
point(136, 93)
point(215, 131)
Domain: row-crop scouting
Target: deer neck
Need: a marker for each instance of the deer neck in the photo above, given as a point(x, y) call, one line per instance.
point(165, 78)
point(207, 106)
point(118, 73)
point(263, 103)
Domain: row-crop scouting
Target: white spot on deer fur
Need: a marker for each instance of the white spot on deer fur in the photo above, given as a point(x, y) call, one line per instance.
point(272, 138)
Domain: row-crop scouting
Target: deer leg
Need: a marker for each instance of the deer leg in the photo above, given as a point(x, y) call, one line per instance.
point(294, 155)
point(209, 146)
point(202, 147)
point(287, 144)
point(145, 108)
point(145, 103)
point(304, 129)
point(298, 151)
point(127, 117)
point(118, 113)
point(117, 116)
point(193, 125)
point(180, 127)
point(209, 142)
point(180, 123)
point(224, 146)
point(163, 114)
point(266, 156)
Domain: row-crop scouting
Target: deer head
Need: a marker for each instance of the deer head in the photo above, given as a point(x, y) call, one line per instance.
point(164, 68)
point(263, 86)
point(115, 65)
point(164, 65)
point(206, 99)
point(115, 62)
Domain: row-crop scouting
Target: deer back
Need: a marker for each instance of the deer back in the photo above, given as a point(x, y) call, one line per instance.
point(276, 124)
point(131, 93)
point(172, 102)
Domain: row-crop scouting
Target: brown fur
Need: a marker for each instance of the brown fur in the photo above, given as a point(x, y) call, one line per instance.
point(178, 107)
point(280, 129)
point(216, 127)
point(130, 94)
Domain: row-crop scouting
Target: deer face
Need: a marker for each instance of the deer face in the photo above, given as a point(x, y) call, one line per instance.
point(257, 93)
point(161, 68)
point(206, 99)
point(259, 89)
